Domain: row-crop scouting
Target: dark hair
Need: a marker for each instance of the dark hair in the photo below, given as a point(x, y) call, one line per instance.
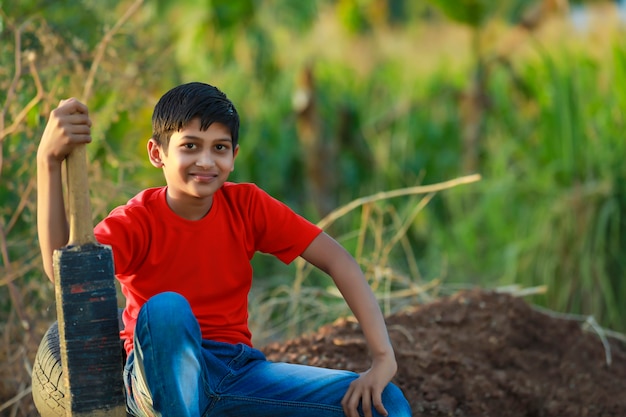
point(181, 104)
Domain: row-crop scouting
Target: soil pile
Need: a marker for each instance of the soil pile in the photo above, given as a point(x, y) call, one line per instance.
point(483, 354)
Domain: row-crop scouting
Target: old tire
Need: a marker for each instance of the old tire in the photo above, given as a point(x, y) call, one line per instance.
point(47, 377)
point(48, 388)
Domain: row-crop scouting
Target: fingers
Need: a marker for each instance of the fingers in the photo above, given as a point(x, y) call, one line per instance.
point(69, 125)
point(350, 402)
point(73, 112)
point(74, 126)
point(377, 400)
point(366, 402)
point(78, 123)
point(72, 105)
point(368, 398)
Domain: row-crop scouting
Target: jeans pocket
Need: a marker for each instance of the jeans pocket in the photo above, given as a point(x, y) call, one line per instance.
point(244, 355)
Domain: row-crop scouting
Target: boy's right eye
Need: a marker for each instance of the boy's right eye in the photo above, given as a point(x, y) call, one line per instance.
point(189, 145)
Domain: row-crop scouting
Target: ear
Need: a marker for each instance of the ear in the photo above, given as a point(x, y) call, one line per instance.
point(155, 153)
point(235, 152)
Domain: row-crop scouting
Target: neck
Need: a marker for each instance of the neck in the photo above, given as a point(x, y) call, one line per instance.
point(190, 208)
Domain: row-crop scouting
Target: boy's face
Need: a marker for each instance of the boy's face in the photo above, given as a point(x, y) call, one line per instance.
point(195, 165)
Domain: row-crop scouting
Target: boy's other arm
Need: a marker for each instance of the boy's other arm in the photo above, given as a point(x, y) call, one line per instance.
point(328, 255)
point(68, 126)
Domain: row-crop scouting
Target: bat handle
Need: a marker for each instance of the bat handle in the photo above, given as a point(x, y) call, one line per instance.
point(81, 226)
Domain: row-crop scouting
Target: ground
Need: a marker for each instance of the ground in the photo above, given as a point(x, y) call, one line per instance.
point(483, 354)
point(476, 353)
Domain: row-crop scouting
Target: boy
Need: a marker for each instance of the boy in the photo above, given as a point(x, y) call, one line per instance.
point(182, 255)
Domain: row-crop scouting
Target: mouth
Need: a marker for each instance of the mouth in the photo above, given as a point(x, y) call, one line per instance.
point(203, 176)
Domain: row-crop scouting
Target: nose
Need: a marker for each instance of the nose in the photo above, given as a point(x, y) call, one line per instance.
point(205, 160)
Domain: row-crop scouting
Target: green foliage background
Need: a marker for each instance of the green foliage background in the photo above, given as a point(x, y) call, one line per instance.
point(414, 76)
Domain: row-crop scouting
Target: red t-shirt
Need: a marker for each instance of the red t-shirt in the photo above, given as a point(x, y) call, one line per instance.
point(207, 261)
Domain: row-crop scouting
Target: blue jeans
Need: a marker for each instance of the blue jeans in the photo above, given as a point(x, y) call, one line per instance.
point(173, 372)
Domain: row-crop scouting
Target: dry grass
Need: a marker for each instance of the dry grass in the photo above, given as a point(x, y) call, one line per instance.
point(21, 340)
point(295, 308)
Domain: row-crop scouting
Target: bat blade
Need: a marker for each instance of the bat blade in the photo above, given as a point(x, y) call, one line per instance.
point(91, 352)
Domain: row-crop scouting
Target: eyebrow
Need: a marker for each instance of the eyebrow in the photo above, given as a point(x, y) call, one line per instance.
point(222, 139)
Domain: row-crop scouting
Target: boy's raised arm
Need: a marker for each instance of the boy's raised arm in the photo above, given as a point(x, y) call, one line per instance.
point(328, 255)
point(68, 125)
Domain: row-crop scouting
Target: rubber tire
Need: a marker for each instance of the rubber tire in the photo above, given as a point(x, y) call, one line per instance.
point(47, 377)
point(48, 388)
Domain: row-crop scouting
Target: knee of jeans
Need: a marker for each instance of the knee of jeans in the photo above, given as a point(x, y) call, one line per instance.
point(395, 402)
point(167, 307)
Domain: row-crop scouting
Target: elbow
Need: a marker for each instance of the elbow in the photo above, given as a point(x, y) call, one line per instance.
point(49, 270)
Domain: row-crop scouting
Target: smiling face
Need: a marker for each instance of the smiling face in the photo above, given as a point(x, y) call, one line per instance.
point(195, 164)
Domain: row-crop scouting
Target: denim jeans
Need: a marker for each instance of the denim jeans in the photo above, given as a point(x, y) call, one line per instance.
point(173, 372)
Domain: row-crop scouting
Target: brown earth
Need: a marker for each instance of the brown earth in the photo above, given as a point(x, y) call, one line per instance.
point(483, 354)
point(476, 353)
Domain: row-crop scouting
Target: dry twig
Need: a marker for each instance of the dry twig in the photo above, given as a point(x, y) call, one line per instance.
point(102, 46)
point(588, 321)
point(23, 393)
point(386, 195)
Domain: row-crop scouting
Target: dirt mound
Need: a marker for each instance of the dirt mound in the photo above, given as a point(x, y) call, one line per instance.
point(483, 354)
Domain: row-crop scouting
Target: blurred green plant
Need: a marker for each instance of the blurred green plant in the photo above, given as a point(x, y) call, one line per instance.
point(474, 13)
point(550, 210)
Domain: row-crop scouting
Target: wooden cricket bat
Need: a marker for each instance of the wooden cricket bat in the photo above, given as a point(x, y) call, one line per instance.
point(86, 301)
